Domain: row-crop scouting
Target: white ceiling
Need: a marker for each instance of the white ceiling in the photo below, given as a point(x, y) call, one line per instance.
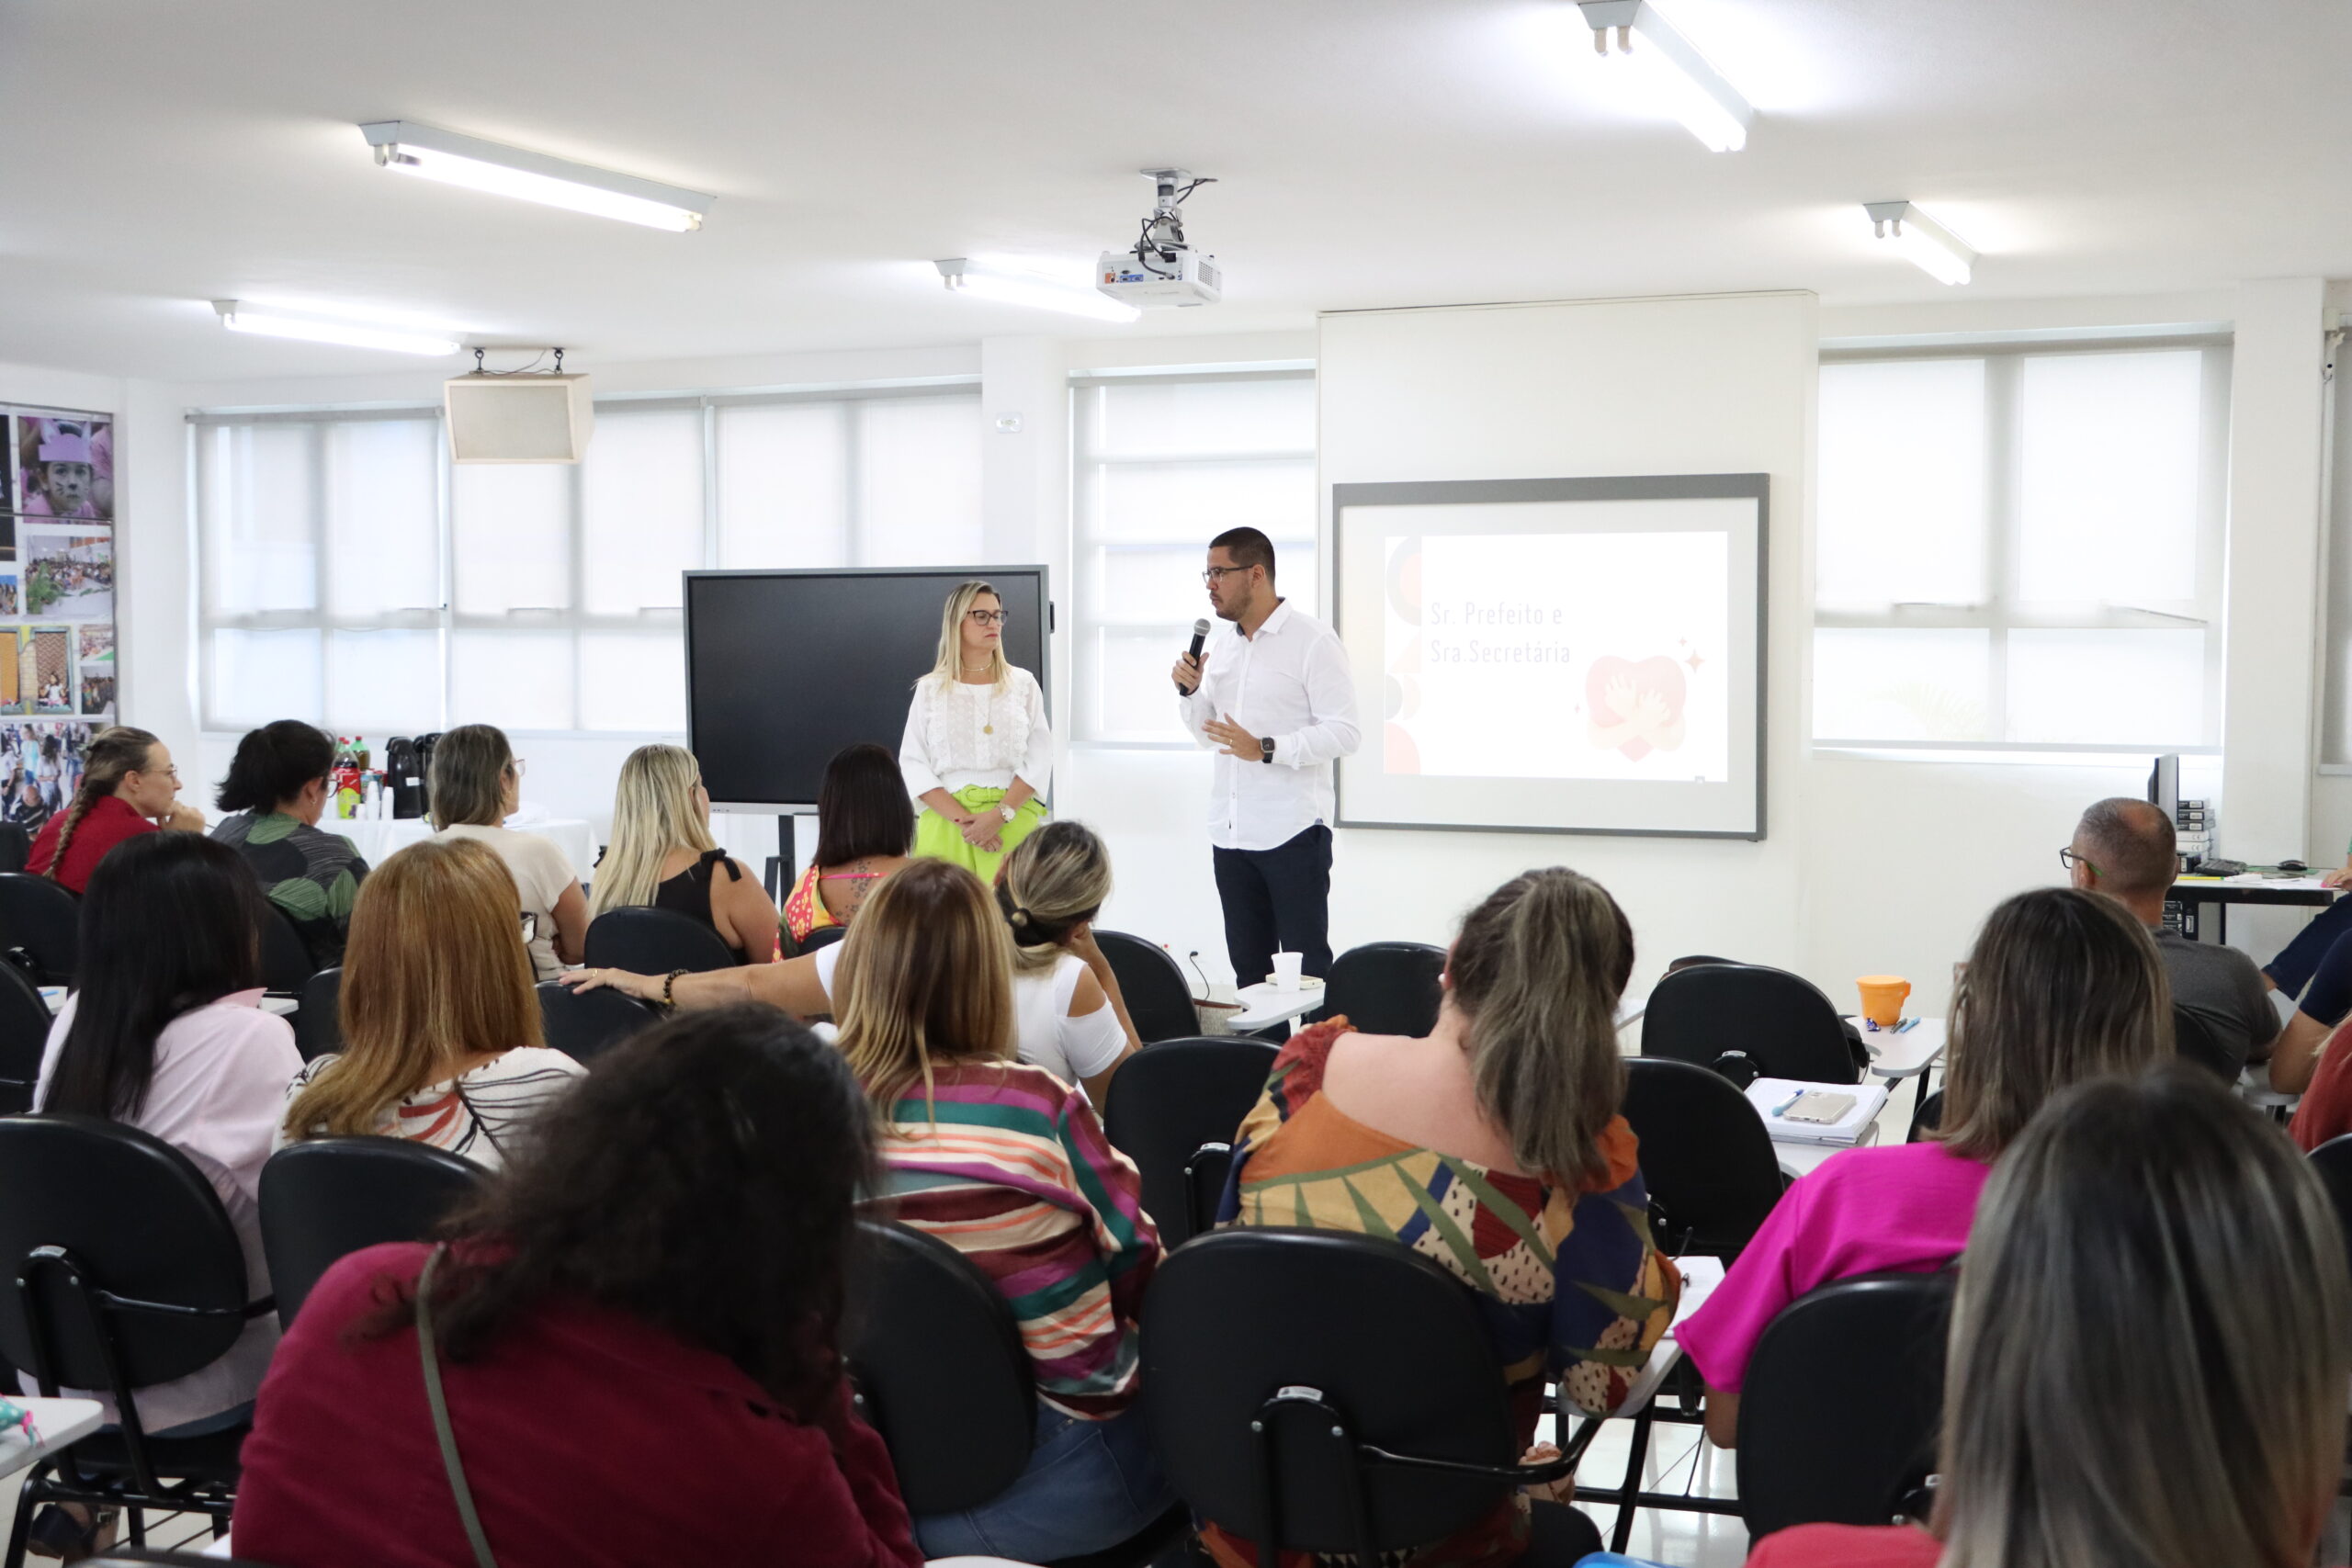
point(1373, 153)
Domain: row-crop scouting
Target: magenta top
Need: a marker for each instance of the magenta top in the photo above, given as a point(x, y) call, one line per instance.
point(1864, 1212)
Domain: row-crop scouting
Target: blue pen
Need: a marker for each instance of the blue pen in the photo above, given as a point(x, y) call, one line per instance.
point(1906, 1024)
point(1786, 1103)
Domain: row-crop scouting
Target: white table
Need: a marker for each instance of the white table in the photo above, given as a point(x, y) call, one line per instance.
point(1631, 1006)
point(56, 1422)
point(282, 1006)
point(1801, 1159)
point(376, 837)
point(1906, 1055)
point(1262, 1004)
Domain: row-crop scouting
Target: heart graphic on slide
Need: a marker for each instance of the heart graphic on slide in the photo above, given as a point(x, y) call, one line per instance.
point(1632, 708)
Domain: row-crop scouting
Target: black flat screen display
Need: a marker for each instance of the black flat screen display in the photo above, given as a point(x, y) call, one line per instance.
point(786, 668)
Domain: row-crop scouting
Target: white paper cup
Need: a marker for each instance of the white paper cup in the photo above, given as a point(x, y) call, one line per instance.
point(1286, 970)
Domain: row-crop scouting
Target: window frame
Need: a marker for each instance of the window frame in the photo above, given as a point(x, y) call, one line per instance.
point(446, 620)
point(2002, 612)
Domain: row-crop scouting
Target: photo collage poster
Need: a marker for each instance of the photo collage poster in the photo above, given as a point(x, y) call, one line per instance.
point(57, 611)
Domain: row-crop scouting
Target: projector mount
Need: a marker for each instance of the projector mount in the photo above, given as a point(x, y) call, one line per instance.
point(1161, 248)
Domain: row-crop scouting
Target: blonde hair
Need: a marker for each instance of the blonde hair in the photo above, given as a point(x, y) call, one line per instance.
point(467, 783)
point(2062, 986)
point(654, 813)
point(1538, 969)
point(114, 753)
point(925, 976)
point(948, 668)
point(1054, 880)
point(434, 971)
point(2150, 1341)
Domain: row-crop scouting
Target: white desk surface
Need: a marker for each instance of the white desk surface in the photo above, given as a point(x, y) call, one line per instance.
point(56, 1422)
point(1631, 1006)
point(282, 1006)
point(2185, 888)
point(1700, 1278)
point(1801, 1159)
point(1895, 1057)
point(1261, 1004)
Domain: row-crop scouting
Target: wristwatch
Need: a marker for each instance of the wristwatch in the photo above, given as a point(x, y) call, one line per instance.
point(1005, 811)
point(1266, 748)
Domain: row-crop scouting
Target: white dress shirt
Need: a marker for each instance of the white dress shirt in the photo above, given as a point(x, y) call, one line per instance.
point(1291, 682)
point(959, 735)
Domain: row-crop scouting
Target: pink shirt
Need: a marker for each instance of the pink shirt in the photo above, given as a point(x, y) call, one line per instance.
point(1863, 1212)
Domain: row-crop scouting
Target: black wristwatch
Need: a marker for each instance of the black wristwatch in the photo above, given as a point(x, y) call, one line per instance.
point(1266, 748)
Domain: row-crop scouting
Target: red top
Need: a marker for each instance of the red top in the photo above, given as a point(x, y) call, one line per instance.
point(589, 1438)
point(1824, 1546)
point(2326, 1110)
point(109, 822)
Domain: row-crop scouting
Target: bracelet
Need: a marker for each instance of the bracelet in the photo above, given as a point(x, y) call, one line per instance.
point(670, 1002)
point(1007, 812)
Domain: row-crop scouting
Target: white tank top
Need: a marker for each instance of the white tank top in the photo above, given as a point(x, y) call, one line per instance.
point(1069, 1048)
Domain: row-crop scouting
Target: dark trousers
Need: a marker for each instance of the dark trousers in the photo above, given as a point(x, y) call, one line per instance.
point(1273, 898)
point(2301, 959)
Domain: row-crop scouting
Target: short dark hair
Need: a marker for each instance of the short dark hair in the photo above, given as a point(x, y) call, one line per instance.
point(702, 1179)
point(862, 807)
point(273, 763)
point(1247, 546)
point(170, 923)
point(2132, 844)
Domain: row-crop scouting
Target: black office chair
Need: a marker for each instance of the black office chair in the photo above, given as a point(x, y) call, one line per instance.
point(317, 1022)
point(1387, 987)
point(646, 941)
point(1204, 1178)
point(1839, 1411)
point(1707, 1160)
point(583, 1025)
point(1169, 1099)
point(41, 928)
point(942, 1374)
point(326, 1198)
point(125, 1272)
point(1284, 1412)
point(1158, 997)
point(2198, 1036)
point(25, 1020)
point(823, 936)
point(285, 962)
point(16, 846)
point(1747, 1022)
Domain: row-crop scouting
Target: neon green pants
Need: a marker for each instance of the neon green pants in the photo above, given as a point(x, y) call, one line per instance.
point(938, 839)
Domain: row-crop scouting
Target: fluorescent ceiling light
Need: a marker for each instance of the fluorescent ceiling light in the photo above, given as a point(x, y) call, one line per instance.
point(240, 317)
point(964, 276)
point(436, 154)
point(1677, 76)
point(1928, 245)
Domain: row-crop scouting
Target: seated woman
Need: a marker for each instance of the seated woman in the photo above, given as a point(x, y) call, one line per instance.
point(278, 787)
point(476, 784)
point(129, 788)
point(2148, 1354)
point(1506, 1120)
point(866, 829)
point(441, 1039)
point(166, 1034)
point(661, 853)
point(2061, 987)
point(1069, 1018)
point(1018, 1176)
point(638, 1330)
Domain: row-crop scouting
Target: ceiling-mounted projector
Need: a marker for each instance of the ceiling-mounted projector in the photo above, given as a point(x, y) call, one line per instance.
point(1160, 268)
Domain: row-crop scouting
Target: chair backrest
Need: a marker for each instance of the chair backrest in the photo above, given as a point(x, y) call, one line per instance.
point(317, 1022)
point(1707, 1160)
point(140, 1222)
point(1205, 1176)
point(43, 921)
point(1839, 1411)
point(1733, 1016)
point(326, 1198)
point(2199, 1037)
point(940, 1366)
point(1387, 1339)
point(646, 941)
point(2332, 1160)
point(24, 1021)
point(823, 936)
point(1387, 987)
point(16, 846)
point(1157, 999)
point(286, 962)
point(583, 1025)
point(1167, 1099)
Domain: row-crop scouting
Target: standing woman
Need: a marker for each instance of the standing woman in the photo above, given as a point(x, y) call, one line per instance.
point(476, 784)
point(976, 750)
point(129, 788)
point(662, 855)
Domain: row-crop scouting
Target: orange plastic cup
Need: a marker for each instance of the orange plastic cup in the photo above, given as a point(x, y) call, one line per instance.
point(1883, 999)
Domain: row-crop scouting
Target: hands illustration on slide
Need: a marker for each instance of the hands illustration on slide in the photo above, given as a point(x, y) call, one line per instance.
point(1635, 708)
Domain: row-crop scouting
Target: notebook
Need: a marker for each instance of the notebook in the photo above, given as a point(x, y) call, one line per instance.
point(1769, 1095)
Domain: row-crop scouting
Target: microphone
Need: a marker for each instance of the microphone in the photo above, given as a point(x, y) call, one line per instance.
point(1200, 636)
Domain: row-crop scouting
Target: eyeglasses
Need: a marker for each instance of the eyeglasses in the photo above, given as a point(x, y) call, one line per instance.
point(1213, 574)
point(2070, 860)
point(991, 617)
point(521, 765)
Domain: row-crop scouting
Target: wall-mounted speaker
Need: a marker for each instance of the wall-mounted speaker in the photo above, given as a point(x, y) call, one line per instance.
point(517, 419)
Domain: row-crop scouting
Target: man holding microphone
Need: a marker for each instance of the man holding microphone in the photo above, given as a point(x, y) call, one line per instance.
point(1278, 703)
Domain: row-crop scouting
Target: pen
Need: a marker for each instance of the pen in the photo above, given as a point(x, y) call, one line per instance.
point(1906, 1024)
point(1786, 1103)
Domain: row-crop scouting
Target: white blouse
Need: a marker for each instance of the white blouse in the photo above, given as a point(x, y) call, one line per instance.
point(958, 736)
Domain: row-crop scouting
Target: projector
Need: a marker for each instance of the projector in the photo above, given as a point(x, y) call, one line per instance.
point(1160, 268)
point(1189, 277)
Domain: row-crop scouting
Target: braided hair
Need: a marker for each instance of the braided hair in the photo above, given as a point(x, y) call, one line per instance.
point(114, 752)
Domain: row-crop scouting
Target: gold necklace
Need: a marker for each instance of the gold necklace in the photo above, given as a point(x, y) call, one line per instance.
point(984, 728)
